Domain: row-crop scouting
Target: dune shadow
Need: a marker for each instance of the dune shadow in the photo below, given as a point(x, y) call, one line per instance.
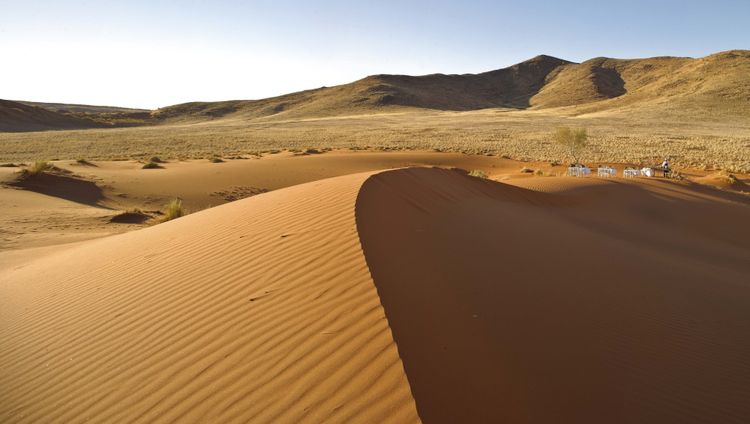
point(508, 305)
point(128, 217)
point(63, 186)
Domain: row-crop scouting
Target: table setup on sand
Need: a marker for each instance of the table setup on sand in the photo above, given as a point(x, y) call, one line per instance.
point(609, 171)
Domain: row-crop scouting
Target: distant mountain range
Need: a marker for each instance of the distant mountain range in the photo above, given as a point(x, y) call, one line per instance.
point(716, 85)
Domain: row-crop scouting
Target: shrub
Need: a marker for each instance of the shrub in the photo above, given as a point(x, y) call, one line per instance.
point(216, 159)
point(478, 173)
point(156, 159)
point(573, 140)
point(173, 210)
point(526, 170)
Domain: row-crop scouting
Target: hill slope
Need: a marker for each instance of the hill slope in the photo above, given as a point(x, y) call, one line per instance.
point(76, 108)
point(510, 87)
point(714, 86)
point(15, 116)
point(718, 84)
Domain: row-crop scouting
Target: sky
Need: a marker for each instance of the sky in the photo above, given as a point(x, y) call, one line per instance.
point(150, 54)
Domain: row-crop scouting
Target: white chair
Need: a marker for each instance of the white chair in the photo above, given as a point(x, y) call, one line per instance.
point(606, 172)
point(631, 173)
point(647, 172)
point(578, 171)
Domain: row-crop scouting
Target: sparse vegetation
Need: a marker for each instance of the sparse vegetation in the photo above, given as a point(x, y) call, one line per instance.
point(39, 167)
point(526, 170)
point(173, 210)
point(521, 136)
point(574, 140)
point(9, 165)
point(216, 159)
point(151, 165)
point(156, 159)
point(478, 174)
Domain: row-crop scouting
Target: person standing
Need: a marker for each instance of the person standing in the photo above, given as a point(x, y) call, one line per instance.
point(665, 167)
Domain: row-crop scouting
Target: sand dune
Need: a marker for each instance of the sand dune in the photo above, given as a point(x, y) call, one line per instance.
point(397, 296)
point(261, 310)
point(81, 200)
point(607, 302)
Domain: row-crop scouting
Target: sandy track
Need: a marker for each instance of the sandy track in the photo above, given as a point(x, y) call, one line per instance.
point(261, 310)
point(607, 302)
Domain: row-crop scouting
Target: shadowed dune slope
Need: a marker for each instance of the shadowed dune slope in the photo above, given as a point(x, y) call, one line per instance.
point(614, 302)
point(261, 310)
point(62, 185)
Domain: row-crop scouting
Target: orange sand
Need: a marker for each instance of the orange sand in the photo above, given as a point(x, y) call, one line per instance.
point(398, 296)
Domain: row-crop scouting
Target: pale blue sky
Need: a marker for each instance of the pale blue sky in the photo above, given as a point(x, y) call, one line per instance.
point(157, 53)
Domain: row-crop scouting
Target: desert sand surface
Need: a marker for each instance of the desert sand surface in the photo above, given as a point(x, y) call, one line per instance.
point(81, 202)
point(590, 301)
point(79, 205)
point(262, 310)
point(406, 295)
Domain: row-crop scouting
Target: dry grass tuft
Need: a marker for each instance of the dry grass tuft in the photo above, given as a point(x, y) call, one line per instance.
point(173, 210)
point(478, 174)
point(38, 167)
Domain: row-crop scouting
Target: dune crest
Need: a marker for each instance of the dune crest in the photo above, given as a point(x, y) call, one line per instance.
point(260, 310)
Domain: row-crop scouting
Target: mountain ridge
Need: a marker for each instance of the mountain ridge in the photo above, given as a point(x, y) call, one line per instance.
point(717, 83)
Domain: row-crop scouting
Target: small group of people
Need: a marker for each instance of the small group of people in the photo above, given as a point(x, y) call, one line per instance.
point(665, 167)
